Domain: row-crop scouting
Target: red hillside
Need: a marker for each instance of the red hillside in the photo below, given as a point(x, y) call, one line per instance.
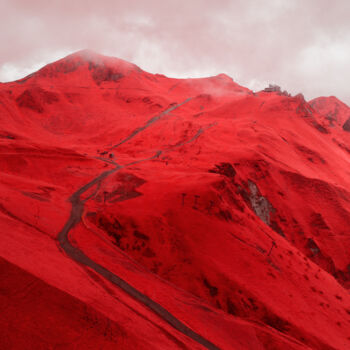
point(139, 211)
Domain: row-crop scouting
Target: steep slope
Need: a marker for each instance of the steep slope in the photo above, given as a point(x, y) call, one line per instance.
point(334, 110)
point(167, 213)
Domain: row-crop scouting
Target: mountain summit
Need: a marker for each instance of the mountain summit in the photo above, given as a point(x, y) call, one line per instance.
point(101, 68)
point(139, 211)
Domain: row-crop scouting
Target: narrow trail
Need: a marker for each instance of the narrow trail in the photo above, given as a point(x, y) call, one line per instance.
point(149, 123)
point(77, 255)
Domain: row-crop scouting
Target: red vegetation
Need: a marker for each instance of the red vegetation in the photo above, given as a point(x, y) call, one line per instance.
point(144, 212)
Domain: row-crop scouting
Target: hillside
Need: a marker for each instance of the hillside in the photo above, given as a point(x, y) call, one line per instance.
point(139, 211)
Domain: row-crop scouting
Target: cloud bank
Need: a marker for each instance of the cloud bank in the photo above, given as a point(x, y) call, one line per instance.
point(304, 46)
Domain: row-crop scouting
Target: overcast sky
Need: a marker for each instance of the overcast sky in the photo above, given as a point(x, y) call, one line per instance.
point(304, 46)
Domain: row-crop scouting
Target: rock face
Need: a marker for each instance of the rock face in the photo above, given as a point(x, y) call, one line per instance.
point(346, 125)
point(143, 212)
point(261, 206)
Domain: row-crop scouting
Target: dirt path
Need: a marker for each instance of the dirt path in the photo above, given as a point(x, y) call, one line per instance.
point(77, 255)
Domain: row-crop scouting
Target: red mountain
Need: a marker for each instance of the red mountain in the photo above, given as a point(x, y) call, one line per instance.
point(144, 212)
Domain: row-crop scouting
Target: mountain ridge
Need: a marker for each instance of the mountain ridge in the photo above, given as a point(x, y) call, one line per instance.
point(228, 208)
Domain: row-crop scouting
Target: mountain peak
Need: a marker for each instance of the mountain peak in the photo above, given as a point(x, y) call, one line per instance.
point(75, 65)
point(87, 54)
point(336, 111)
point(90, 56)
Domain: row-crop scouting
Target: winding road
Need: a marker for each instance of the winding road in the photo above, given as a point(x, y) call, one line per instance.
point(77, 255)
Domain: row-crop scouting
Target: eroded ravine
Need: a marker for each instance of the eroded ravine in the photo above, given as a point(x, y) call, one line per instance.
point(77, 255)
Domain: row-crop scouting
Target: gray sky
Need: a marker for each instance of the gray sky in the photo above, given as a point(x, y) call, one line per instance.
point(304, 46)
